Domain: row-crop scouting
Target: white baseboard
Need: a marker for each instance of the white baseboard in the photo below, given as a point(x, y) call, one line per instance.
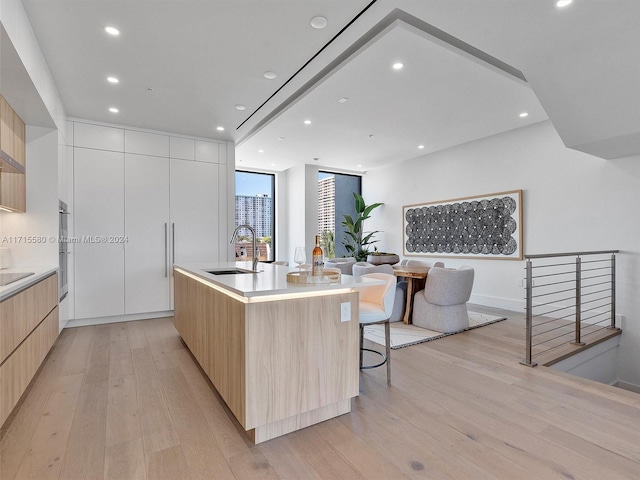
point(83, 322)
point(498, 302)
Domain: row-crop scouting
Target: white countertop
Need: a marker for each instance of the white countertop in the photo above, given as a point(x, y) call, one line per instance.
point(38, 274)
point(271, 279)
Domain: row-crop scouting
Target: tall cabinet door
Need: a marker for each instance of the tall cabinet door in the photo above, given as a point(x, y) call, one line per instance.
point(147, 269)
point(194, 211)
point(98, 215)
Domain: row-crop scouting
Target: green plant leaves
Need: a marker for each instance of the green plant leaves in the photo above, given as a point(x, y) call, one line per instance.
point(356, 241)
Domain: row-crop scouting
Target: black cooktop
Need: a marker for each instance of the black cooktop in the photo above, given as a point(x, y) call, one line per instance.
point(7, 278)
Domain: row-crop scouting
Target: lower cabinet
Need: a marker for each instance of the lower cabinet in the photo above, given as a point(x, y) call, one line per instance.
point(23, 350)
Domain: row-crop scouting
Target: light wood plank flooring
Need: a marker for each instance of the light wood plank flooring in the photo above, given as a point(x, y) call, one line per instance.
point(127, 400)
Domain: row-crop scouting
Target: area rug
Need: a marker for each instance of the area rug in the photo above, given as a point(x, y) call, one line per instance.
point(404, 335)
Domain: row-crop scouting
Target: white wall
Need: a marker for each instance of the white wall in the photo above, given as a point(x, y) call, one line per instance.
point(40, 222)
point(284, 249)
point(302, 206)
point(597, 363)
point(571, 201)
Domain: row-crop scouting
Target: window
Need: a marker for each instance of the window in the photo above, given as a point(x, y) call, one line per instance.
point(255, 206)
point(335, 199)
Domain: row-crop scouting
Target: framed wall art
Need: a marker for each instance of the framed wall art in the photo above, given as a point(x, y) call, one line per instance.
point(487, 226)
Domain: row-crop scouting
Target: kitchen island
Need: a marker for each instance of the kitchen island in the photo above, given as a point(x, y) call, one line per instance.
point(283, 356)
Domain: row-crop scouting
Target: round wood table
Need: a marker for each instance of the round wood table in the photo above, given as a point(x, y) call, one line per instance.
point(416, 276)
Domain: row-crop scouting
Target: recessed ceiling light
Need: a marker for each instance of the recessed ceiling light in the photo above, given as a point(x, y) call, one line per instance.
point(113, 110)
point(524, 114)
point(420, 147)
point(359, 166)
point(307, 122)
point(273, 164)
point(112, 80)
point(260, 151)
point(563, 3)
point(319, 22)
point(220, 129)
point(240, 107)
point(343, 100)
point(398, 66)
point(270, 75)
point(112, 30)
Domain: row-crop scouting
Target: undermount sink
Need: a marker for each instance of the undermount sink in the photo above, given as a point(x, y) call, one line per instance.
point(230, 271)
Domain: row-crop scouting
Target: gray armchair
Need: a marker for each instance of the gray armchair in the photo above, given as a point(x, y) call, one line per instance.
point(442, 305)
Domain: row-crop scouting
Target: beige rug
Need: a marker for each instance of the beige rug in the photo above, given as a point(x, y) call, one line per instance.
point(404, 335)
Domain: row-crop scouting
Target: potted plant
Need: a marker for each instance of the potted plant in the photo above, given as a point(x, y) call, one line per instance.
point(356, 240)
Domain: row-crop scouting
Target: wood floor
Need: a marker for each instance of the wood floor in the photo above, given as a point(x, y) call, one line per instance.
point(127, 400)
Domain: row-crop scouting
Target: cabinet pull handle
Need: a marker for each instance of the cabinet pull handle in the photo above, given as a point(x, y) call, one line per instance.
point(166, 251)
point(173, 243)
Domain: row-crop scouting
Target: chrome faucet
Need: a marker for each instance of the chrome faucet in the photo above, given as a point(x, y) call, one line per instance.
point(254, 266)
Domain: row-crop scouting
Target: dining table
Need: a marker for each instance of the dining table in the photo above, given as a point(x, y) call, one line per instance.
point(416, 276)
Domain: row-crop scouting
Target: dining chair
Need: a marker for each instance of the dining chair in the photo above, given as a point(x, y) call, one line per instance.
point(376, 306)
point(442, 305)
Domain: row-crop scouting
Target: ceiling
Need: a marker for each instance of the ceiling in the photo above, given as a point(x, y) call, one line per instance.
point(184, 65)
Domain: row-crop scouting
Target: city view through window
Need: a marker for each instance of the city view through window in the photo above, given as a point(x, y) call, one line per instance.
point(335, 199)
point(255, 207)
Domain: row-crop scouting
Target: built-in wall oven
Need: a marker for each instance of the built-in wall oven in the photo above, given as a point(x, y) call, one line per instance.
point(63, 250)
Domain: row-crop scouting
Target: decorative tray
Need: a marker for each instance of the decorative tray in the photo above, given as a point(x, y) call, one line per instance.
point(305, 277)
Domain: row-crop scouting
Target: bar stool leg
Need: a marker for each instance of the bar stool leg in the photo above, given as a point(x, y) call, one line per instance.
point(387, 341)
point(361, 343)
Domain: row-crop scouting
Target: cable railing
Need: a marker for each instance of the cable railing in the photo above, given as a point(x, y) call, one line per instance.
point(569, 297)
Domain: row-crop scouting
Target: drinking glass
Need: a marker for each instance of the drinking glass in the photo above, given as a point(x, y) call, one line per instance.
point(299, 257)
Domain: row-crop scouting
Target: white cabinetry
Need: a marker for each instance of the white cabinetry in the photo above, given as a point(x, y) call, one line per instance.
point(137, 211)
point(98, 137)
point(147, 269)
point(146, 143)
point(98, 216)
point(194, 211)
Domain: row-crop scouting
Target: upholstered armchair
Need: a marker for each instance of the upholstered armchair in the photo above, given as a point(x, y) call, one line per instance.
point(442, 305)
point(345, 265)
point(400, 300)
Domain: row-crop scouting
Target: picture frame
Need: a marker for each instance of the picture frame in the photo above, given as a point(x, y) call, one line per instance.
point(484, 226)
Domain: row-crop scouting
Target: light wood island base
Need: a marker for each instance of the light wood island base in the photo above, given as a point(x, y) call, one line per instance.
point(280, 362)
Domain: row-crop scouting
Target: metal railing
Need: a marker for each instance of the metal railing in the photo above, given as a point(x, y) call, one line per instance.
point(568, 299)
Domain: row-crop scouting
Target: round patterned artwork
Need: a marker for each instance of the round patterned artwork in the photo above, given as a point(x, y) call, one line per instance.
point(474, 227)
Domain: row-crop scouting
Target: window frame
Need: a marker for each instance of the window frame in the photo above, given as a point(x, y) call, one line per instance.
point(273, 209)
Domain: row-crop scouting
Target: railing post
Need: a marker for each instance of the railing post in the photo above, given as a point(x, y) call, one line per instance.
point(578, 340)
point(613, 291)
point(529, 316)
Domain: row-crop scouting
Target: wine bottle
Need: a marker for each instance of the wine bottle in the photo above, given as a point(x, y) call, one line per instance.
point(317, 262)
